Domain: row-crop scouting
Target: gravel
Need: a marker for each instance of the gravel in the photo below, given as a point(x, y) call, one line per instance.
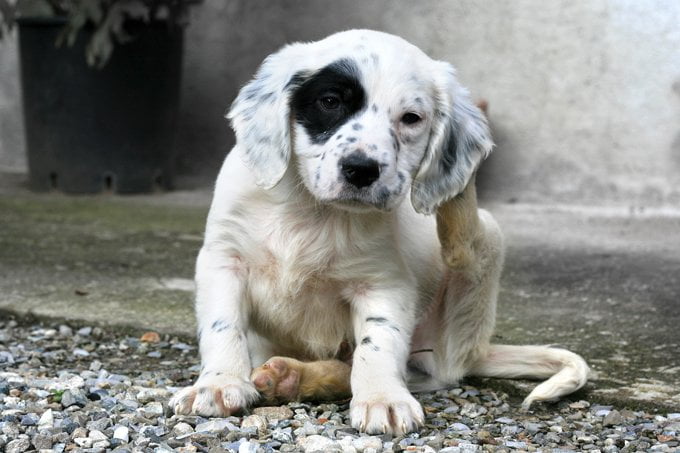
point(66, 388)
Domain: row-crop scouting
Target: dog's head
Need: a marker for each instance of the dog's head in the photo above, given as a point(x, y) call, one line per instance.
point(364, 116)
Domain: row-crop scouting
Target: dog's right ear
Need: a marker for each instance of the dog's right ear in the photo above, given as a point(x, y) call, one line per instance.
point(260, 116)
point(460, 140)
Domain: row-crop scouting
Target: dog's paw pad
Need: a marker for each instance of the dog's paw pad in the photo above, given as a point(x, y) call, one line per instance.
point(383, 413)
point(278, 379)
point(214, 397)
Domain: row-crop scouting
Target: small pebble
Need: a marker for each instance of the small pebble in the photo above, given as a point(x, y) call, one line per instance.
point(318, 444)
point(122, 433)
point(255, 421)
point(182, 429)
point(274, 412)
point(29, 420)
point(18, 445)
point(613, 418)
point(150, 337)
point(85, 331)
point(46, 420)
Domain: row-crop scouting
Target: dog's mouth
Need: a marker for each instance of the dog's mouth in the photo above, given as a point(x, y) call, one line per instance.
point(354, 205)
point(363, 201)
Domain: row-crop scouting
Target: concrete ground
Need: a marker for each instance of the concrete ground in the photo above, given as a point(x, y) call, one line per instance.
point(602, 281)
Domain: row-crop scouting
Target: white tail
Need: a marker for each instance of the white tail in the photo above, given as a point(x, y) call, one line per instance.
point(565, 371)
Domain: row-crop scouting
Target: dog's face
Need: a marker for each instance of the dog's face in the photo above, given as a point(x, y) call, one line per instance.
point(364, 116)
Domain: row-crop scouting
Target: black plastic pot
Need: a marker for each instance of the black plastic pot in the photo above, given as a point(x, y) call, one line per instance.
point(91, 130)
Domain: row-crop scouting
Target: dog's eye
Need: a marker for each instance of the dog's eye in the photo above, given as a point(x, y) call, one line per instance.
point(410, 118)
point(330, 102)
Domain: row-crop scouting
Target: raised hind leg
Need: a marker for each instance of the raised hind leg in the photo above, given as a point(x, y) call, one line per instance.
point(472, 248)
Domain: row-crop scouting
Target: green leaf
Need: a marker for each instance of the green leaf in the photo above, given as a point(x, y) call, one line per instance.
point(56, 396)
point(34, 8)
point(99, 49)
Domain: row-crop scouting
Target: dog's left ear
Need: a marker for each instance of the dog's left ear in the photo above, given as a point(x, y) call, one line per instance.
point(260, 116)
point(459, 141)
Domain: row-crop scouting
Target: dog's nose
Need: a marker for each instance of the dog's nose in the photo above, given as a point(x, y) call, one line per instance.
point(360, 170)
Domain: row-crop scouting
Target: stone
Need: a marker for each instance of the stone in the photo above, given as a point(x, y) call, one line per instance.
point(46, 420)
point(79, 432)
point(459, 427)
point(164, 448)
point(67, 399)
point(30, 420)
point(580, 405)
point(363, 443)
point(532, 428)
point(452, 409)
point(274, 412)
point(96, 435)
point(42, 441)
point(150, 337)
point(215, 426)
point(154, 409)
point(85, 331)
point(257, 421)
point(613, 418)
point(248, 447)
point(122, 433)
point(505, 420)
point(316, 443)
point(182, 429)
point(283, 435)
point(18, 445)
point(84, 442)
point(65, 331)
point(148, 395)
point(101, 444)
point(100, 424)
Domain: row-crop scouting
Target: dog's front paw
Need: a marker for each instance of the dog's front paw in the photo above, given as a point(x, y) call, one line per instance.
point(392, 413)
point(214, 396)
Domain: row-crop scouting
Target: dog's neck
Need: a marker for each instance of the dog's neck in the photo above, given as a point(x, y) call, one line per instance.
point(292, 194)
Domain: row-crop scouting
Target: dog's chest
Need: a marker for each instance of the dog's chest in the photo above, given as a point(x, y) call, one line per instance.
point(296, 284)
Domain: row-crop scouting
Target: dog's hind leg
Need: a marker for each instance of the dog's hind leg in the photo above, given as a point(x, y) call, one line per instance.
point(284, 379)
point(465, 311)
point(472, 248)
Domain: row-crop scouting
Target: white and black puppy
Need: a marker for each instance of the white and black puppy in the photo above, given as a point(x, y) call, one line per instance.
point(313, 241)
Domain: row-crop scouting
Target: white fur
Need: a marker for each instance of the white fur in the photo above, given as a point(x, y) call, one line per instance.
point(290, 268)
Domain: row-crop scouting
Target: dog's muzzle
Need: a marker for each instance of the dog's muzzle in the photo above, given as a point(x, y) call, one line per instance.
point(359, 170)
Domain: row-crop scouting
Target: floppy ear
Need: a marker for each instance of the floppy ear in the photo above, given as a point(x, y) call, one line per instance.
point(459, 141)
point(260, 117)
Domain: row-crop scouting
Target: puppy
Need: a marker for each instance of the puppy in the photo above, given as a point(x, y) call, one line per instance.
point(321, 241)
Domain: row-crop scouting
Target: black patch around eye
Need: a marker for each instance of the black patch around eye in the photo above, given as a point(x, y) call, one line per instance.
point(340, 79)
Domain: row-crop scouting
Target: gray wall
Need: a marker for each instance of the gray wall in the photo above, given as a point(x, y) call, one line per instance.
point(584, 96)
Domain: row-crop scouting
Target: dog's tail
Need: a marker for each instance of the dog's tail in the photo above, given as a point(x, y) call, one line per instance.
point(565, 371)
